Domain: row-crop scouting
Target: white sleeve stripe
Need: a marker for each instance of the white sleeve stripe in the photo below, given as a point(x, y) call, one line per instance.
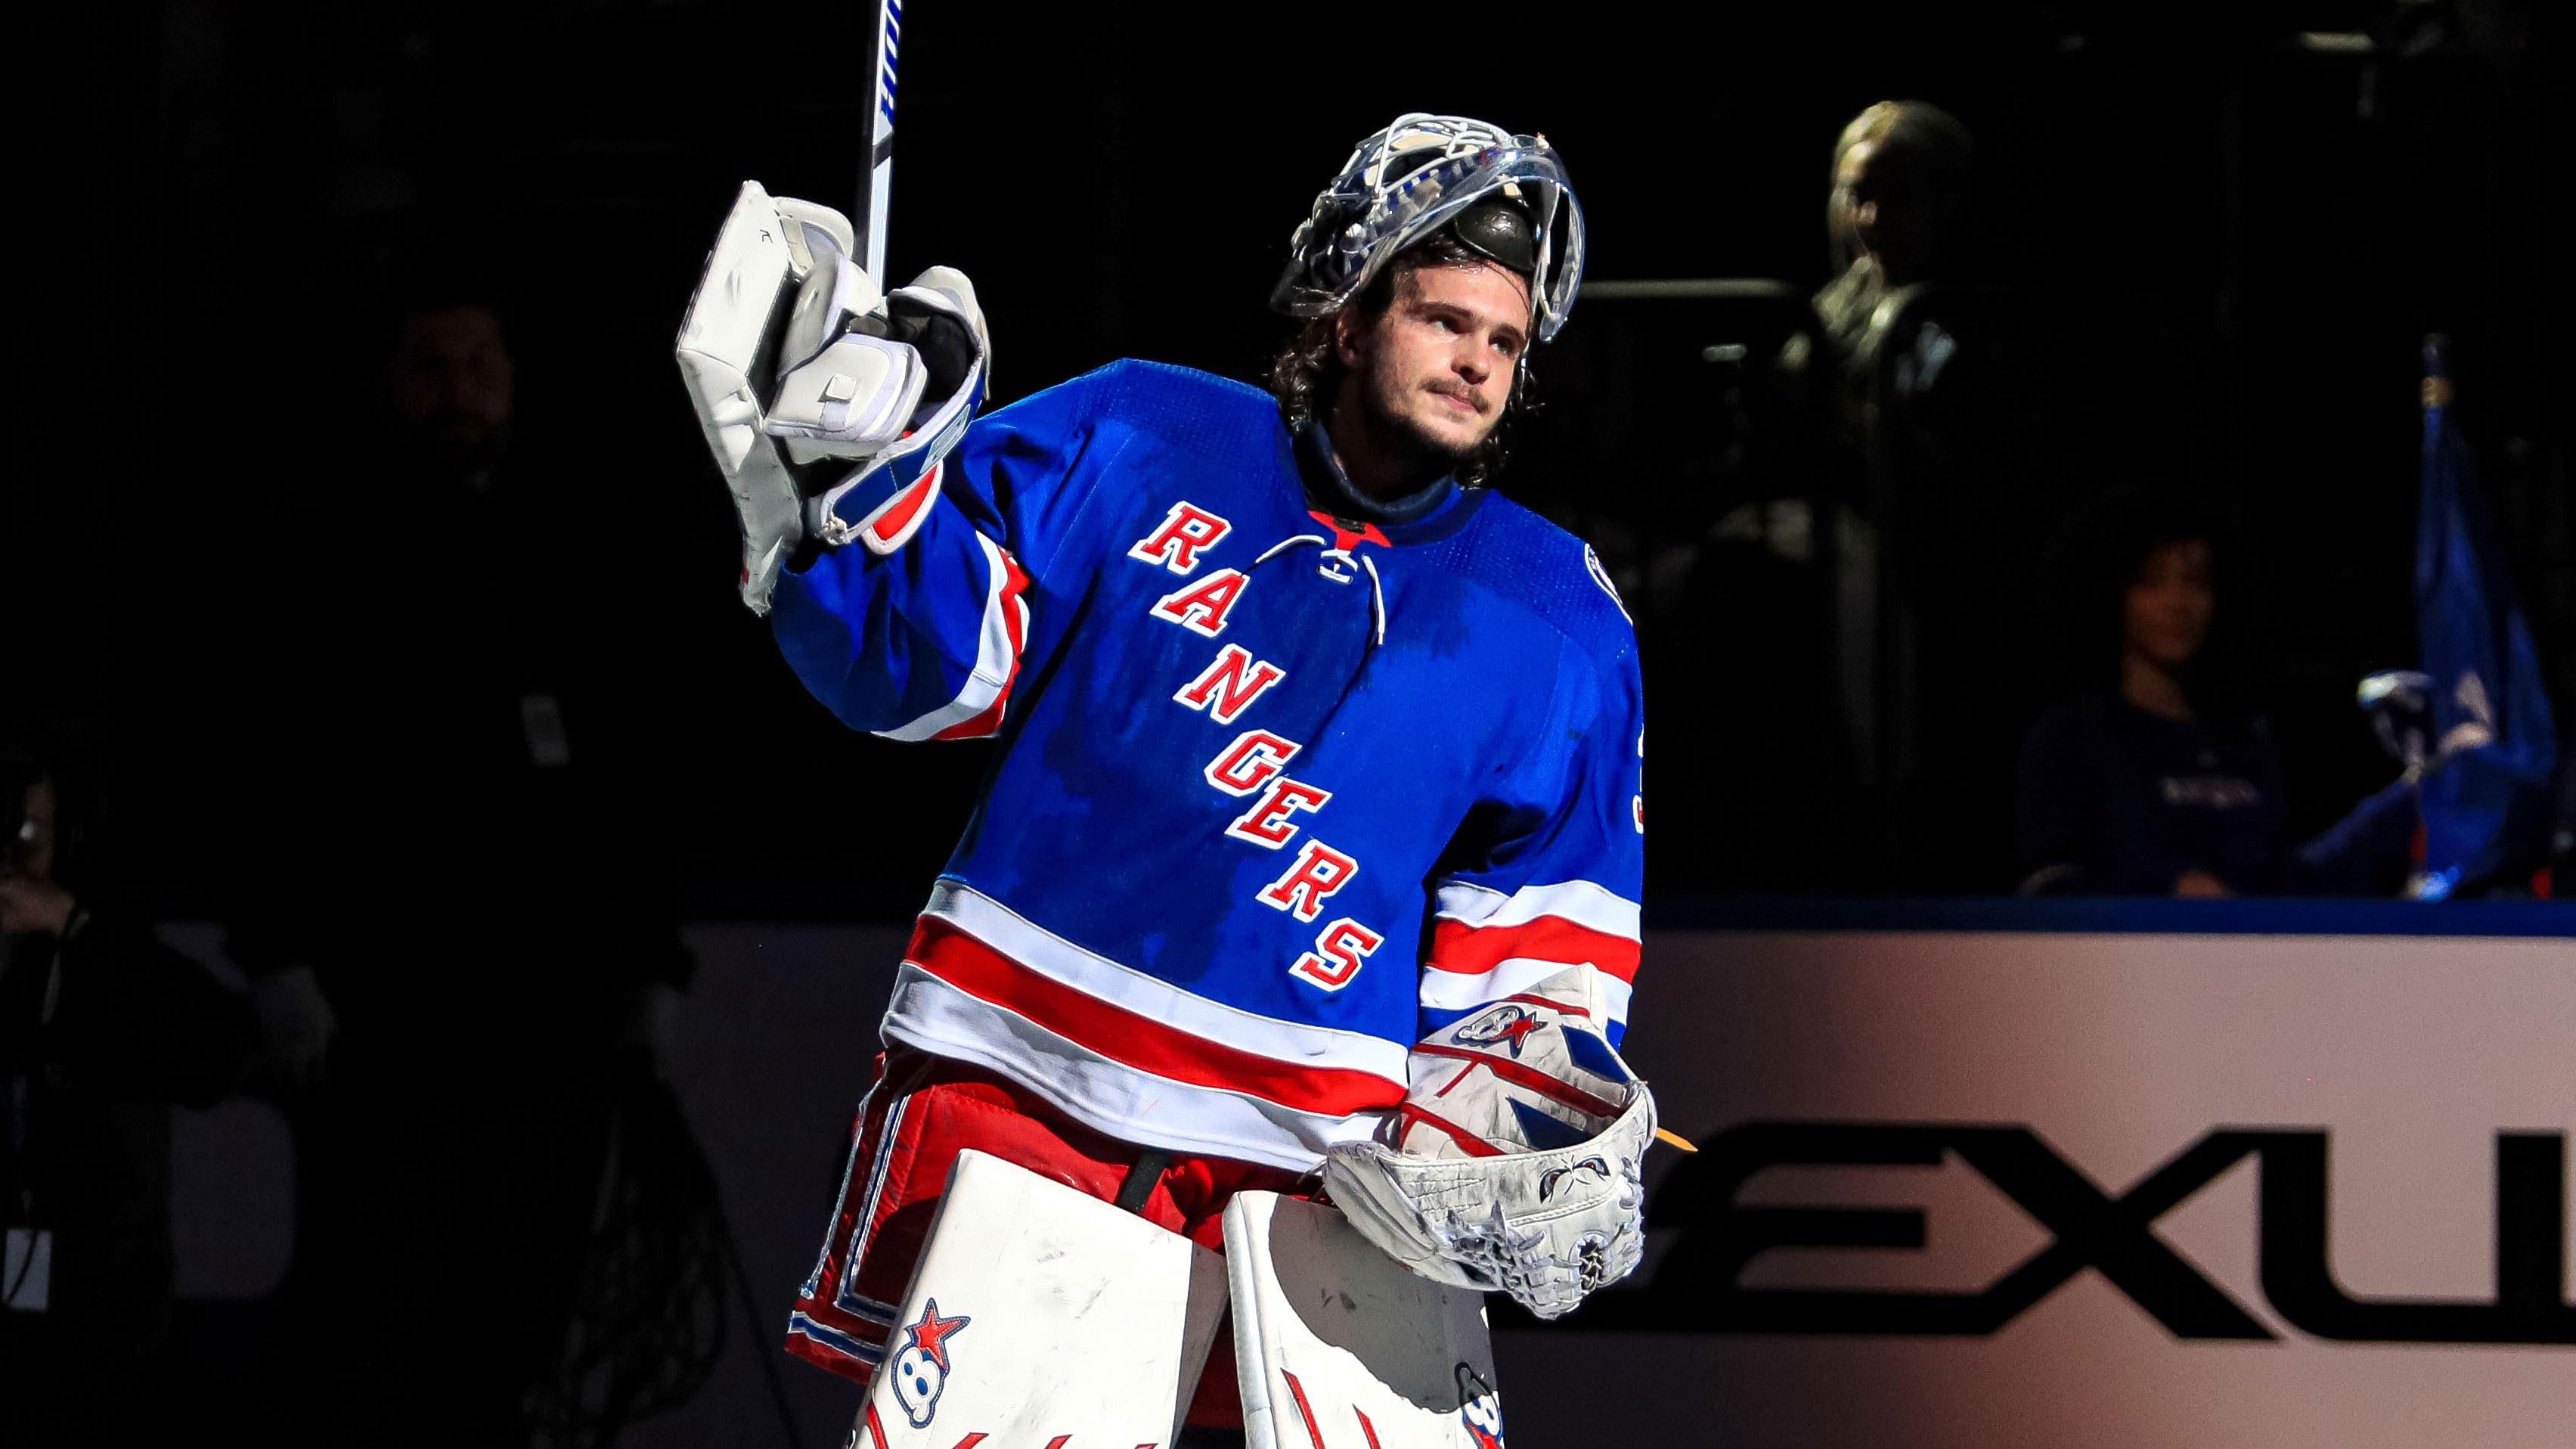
point(993, 657)
point(1447, 991)
point(1580, 901)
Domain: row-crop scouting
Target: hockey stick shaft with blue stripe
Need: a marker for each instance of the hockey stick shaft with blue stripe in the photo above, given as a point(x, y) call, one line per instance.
point(876, 164)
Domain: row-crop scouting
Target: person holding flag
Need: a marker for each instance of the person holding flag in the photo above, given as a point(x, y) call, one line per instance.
point(2485, 809)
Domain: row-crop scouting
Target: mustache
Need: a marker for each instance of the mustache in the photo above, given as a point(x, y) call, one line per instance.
point(1464, 394)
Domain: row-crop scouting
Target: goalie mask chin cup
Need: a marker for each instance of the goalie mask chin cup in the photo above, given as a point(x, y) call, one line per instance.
point(1424, 173)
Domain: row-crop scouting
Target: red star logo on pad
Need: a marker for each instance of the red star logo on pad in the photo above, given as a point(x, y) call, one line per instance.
point(1516, 1032)
point(1508, 1026)
point(930, 1335)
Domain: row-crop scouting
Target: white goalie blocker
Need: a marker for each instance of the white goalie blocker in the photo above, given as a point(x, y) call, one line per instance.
point(827, 404)
point(1039, 1314)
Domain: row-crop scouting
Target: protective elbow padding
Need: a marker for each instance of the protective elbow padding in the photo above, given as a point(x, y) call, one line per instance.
point(845, 391)
point(884, 501)
point(853, 399)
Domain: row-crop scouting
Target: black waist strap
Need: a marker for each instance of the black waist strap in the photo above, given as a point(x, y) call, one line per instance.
point(1148, 1170)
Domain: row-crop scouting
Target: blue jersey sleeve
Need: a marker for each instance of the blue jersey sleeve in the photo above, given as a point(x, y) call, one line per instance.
point(926, 642)
point(1550, 871)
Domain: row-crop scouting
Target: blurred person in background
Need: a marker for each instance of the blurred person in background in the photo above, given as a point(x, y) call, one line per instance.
point(1905, 499)
point(457, 909)
point(1801, 430)
point(2158, 776)
point(103, 1030)
point(1901, 173)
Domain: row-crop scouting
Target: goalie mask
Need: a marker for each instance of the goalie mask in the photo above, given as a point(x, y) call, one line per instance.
point(1504, 196)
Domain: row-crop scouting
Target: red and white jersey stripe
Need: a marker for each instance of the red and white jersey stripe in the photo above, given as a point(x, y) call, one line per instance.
point(1140, 1059)
point(977, 709)
point(1487, 944)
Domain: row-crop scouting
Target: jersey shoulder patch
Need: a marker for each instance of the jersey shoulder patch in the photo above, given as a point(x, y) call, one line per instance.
point(1601, 576)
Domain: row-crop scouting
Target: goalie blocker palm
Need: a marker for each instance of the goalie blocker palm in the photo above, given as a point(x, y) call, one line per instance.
point(1515, 1163)
point(830, 418)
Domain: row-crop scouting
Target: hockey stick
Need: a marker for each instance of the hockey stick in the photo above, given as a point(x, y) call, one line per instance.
point(876, 164)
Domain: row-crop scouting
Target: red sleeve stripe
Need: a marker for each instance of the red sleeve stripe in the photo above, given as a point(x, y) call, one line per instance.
point(892, 520)
point(1520, 1075)
point(1138, 1041)
point(1015, 615)
point(1474, 950)
point(1468, 1142)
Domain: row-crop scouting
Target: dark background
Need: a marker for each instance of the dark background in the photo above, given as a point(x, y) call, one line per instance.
point(2224, 243)
point(2238, 243)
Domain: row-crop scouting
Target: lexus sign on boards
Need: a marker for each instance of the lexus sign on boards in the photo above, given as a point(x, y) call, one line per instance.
point(2128, 1187)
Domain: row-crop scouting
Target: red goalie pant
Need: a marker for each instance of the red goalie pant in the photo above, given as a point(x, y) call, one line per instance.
point(922, 1112)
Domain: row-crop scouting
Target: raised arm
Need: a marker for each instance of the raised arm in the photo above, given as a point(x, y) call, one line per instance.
point(889, 531)
point(925, 642)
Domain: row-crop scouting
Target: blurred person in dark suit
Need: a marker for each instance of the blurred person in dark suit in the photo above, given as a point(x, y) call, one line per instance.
point(103, 1030)
point(2159, 776)
point(458, 909)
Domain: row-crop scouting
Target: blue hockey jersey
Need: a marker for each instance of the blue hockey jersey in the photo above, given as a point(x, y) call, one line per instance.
point(1276, 794)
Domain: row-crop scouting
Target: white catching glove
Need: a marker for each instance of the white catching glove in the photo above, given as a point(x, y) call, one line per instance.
point(789, 398)
point(1515, 1164)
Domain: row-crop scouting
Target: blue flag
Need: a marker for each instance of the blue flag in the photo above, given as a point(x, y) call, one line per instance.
point(2490, 708)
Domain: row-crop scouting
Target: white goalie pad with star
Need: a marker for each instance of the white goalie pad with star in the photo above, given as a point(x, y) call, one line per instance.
point(1336, 1347)
point(1038, 1312)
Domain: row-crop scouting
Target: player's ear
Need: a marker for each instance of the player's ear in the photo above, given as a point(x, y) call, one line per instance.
point(1347, 334)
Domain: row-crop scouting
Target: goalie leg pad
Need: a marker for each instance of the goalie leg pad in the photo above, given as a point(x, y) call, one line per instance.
point(922, 1115)
point(1337, 1347)
point(1040, 1312)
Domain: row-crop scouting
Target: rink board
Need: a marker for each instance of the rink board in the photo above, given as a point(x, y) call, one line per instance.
point(2115, 1048)
point(2329, 1113)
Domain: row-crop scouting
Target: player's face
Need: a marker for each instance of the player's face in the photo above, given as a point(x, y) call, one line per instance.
point(2165, 616)
point(1437, 364)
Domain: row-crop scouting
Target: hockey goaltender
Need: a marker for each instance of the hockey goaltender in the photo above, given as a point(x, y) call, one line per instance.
point(1308, 863)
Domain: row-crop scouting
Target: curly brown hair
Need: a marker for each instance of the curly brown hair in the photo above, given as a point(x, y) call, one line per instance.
point(1307, 369)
